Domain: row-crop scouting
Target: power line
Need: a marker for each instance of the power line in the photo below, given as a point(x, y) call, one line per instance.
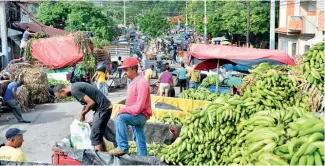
point(248, 23)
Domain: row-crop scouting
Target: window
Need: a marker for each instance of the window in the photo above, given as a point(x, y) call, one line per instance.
point(311, 6)
point(307, 47)
point(284, 45)
point(294, 49)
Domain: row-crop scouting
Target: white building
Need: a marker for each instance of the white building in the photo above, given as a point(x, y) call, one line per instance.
point(301, 25)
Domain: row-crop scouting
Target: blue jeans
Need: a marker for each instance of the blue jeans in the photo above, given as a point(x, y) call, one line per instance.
point(187, 83)
point(15, 108)
point(194, 85)
point(137, 123)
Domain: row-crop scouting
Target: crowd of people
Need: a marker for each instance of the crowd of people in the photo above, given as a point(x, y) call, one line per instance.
point(137, 108)
point(136, 112)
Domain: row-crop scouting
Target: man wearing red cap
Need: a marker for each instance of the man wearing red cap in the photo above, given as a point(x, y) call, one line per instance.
point(136, 112)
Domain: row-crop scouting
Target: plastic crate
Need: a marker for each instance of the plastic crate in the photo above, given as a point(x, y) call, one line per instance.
point(60, 158)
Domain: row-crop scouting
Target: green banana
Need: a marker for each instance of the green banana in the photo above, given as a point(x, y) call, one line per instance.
point(310, 159)
point(303, 160)
point(316, 137)
point(317, 158)
point(319, 127)
point(320, 146)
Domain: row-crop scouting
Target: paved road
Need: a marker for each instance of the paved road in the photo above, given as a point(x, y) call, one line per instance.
point(50, 123)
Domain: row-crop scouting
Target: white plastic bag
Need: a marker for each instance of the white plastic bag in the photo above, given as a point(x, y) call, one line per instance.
point(80, 135)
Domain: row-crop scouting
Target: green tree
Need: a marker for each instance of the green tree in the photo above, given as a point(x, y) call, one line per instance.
point(53, 13)
point(229, 18)
point(87, 17)
point(154, 23)
point(78, 16)
point(135, 9)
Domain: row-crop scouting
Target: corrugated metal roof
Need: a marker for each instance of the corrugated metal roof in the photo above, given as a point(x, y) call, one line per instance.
point(51, 31)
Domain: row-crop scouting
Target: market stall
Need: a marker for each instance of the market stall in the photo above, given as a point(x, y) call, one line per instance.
point(208, 56)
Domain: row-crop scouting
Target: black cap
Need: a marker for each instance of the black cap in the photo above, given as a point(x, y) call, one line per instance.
point(12, 132)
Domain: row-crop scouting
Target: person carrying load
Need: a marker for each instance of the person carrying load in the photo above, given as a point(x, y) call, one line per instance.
point(95, 100)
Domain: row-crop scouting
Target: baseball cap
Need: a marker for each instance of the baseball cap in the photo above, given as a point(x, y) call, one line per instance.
point(7, 74)
point(129, 62)
point(12, 132)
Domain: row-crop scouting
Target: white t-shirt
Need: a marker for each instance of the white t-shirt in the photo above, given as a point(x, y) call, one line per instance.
point(119, 63)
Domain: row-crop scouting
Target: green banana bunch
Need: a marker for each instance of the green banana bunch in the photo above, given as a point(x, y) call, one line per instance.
point(169, 119)
point(206, 134)
point(274, 89)
point(249, 129)
point(200, 94)
point(313, 65)
point(208, 81)
point(306, 146)
point(153, 149)
point(262, 139)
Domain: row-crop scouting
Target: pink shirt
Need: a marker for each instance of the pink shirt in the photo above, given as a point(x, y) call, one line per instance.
point(138, 98)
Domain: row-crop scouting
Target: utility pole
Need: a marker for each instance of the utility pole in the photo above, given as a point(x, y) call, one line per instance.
point(248, 23)
point(124, 15)
point(186, 18)
point(272, 25)
point(205, 22)
point(3, 30)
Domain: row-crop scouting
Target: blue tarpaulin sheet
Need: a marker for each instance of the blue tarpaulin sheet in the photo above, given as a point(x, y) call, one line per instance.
point(221, 89)
point(230, 67)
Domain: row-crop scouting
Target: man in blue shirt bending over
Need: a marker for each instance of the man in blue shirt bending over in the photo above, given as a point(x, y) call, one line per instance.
point(10, 98)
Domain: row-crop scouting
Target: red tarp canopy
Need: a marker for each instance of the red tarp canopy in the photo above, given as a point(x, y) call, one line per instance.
point(209, 53)
point(56, 52)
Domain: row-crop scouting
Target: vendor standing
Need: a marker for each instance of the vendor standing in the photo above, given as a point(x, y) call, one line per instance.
point(136, 112)
point(166, 81)
point(194, 78)
point(159, 65)
point(95, 100)
point(119, 63)
point(101, 76)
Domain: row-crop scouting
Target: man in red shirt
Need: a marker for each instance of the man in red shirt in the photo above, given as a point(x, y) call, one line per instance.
point(136, 112)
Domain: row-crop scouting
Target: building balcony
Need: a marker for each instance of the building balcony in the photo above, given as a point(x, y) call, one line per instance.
point(295, 23)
